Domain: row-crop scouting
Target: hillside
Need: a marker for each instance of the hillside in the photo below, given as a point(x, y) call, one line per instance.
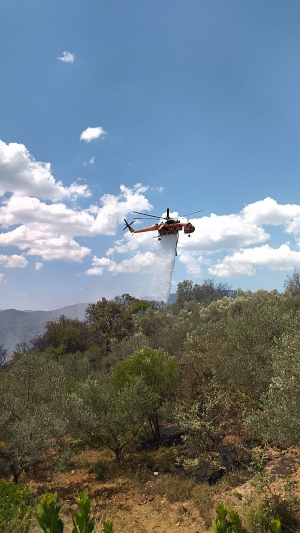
point(21, 326)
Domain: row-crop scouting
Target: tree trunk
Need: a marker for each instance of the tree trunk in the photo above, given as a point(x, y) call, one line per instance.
point(118, 453)
point(16, 476)
point(154, 425)
point(157, 430)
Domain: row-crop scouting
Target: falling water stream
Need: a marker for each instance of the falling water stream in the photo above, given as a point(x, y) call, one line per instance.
point(161, 278)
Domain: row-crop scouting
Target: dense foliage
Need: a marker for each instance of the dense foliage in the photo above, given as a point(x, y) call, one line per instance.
point(215, 365)
point(16, 508)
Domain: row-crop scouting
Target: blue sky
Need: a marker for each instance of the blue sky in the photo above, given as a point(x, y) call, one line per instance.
point(199, 102)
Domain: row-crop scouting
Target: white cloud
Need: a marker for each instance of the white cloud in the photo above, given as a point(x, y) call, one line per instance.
point(101, 261)
point(140, 188)
point(13, 261)
point(94, 271)
point(225, 232)
point(22, 175)
point(1, 277)
point(44, 218)
point(90, 162)
point(192, 265)
point(268, 211)
point(90, 134)
point(243, 263)
point(61, 247)
point(138, 263)
point(48, 229)
point(38, 265)
point(67, 57)
point(115, 208)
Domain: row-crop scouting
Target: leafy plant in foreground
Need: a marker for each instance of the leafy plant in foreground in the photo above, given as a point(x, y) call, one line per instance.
point(47, 514)
point(225, 524)
point(107, 526)
point(83, 520)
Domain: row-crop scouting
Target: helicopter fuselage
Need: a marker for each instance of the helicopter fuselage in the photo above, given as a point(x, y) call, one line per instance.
point(170, 227)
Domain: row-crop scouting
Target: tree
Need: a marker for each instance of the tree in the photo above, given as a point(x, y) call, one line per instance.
point(205, 422)
point(159, 373)
point(206, 293)
point(31, 415)
point(277, 421)
point(107, 320)
point(292, 284)
point(234, 340)
point(184, 292)
point(3, 354)
point(133, 304)
point(114, 416)
point(66, 335)
point(209, 291)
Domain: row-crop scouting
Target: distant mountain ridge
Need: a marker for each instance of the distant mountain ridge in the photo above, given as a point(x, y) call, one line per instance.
point(22, 326)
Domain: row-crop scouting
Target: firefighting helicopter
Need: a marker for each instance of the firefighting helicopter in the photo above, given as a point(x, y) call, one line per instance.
point(165, 226)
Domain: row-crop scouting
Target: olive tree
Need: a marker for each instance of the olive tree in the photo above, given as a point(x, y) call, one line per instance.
point(107, 320)
point(114, 416)
point(159, 373)
point(32, 421)
point(292, 284)
point(277, 421)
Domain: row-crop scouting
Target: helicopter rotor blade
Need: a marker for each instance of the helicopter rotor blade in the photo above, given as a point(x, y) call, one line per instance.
point(146, 214)
point(193, 218)
point(153, 220)
point(193, 213)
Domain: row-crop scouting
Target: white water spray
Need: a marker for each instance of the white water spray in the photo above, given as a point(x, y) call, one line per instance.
point(161, 277)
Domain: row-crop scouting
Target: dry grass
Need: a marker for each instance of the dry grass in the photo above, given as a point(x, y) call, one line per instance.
point(173, 488)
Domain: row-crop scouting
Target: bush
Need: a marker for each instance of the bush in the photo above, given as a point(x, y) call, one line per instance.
point(258, 519)
point(278, 507)
point(226, 521)
point(100, 468)
point(15, 508)
point(47, 515)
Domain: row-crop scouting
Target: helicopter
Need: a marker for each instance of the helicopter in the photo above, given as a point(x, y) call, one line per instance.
point(165, 226)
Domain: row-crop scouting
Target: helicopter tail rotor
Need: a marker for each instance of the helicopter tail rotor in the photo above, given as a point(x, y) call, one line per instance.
point(128, 226)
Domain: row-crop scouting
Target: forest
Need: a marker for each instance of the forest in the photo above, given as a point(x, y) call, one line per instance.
point(193, 404)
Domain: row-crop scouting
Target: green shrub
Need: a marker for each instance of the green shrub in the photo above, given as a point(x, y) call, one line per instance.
point(258, 519)
point(107, 527)
point(47, 514)
point(84, 522)
point(100, 468)
point(226, 521)
point(278, 509)
point(15, 508)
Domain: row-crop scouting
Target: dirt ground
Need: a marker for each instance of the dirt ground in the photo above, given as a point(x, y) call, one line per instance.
point(140, 508)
